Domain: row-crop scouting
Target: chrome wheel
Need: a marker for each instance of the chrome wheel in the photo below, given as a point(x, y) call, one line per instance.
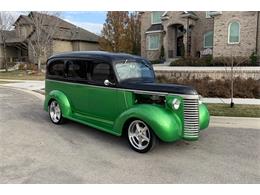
point(55, 112)
point(139, 135)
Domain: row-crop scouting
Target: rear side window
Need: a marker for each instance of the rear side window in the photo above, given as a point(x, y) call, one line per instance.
point(76, 69)
point(56, 69)
point(100, 72)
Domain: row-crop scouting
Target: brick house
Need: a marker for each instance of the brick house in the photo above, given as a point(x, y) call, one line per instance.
point(67, 37)
point(199, 33)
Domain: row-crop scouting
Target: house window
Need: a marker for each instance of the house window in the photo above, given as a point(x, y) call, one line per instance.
point(208, 14)
point(234, 33)
point(156, 17)
point(153, 41)
point(208, 39)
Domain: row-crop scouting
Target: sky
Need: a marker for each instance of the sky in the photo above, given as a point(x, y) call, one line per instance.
point(90, 20)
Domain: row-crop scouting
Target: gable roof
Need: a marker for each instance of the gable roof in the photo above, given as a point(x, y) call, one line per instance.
point(66, 31)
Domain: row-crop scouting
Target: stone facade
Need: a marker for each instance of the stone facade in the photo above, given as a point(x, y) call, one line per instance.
point(189, 28)
point(248, 40)
point(213, 75)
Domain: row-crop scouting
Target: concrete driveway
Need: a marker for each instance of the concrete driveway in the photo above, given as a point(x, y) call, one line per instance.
point(33, 150)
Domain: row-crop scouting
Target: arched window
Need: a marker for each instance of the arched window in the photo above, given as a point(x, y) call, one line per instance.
point(208, 39)
point(234, 33)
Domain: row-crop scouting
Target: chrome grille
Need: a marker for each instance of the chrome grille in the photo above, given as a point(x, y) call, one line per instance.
point(191, 118)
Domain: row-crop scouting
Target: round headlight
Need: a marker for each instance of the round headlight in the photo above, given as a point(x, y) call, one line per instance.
point(176, 104)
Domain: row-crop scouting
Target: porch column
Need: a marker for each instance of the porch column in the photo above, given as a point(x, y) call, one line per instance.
point(185, 38)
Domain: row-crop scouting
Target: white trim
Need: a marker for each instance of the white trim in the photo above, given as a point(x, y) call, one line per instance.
point(208, 14)
point(229, 25)
point(154, 31)
point(164, 13)
point(205, 41)
point(215, 13)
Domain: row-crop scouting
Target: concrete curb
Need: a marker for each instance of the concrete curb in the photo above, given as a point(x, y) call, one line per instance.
point(235, 122)
point(38, 95)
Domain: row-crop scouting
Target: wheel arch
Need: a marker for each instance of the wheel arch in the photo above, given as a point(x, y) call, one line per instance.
point(165, 124)
point(62, 99)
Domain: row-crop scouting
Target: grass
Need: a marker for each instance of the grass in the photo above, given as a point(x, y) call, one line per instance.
point(236, 111)
point(22, 75)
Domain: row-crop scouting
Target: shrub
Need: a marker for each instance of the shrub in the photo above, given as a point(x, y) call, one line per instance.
point(243, 88)
point(162, 55)
point(227, 61)
point(192, 61)
point(156, 61)
point(253, 59)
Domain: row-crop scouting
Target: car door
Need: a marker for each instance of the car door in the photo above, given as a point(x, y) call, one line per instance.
point(102, 99)
point(76, 90)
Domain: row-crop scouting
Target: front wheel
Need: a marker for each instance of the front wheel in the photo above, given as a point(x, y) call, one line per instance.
point(140, 137)
point(55, 112)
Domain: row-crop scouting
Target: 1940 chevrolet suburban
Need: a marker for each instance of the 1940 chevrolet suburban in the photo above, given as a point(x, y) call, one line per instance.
point(117, 93)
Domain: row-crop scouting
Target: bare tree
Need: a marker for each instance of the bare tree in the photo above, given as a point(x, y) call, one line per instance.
point(45, 25)
point(232, 64)
point(6, 24)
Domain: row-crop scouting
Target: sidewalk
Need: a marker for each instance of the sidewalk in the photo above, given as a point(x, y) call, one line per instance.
point(25, 84)
point(39, 86)
point(234, 122)
point(163, 67)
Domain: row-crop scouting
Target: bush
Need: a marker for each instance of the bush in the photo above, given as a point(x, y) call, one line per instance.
point(227, 61)
point(162, 55)
point(217, 61)
point(156, 61)
point(253, 59)
point(243, 88)
point(192, 61)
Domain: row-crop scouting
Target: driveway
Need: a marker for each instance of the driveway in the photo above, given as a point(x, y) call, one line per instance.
point(33, 150)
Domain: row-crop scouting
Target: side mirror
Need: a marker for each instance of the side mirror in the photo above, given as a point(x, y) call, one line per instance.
point(107, 83)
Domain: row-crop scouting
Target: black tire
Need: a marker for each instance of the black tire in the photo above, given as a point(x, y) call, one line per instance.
point(52, 111)
point(133, 140)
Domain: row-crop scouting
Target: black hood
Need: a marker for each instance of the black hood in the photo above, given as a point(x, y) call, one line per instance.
point(159, 87)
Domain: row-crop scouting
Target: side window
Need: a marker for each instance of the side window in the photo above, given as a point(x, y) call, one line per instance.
point(76, 69)
point(100, 72)
point(56, 69)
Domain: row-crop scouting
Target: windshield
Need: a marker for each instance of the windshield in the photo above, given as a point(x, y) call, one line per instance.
point(134, 70)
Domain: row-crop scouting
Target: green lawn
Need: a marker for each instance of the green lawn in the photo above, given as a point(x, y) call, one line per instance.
point(236, 111)
point(22, 75)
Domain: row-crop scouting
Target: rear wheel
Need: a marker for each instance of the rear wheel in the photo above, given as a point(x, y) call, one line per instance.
point(55, 112)
point(140, 136)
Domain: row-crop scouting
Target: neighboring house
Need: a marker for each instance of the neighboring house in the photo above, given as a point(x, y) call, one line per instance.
point(199, 33)
point(67, 37)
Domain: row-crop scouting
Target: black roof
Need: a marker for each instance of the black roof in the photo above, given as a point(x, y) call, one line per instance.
point(155, 27)
point(102, 55)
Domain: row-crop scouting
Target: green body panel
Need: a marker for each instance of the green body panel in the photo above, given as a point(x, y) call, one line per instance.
point(108, 109)
point(165, 123)
point(203, 116)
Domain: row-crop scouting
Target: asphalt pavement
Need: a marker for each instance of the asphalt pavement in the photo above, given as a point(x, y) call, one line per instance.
point(33, 150)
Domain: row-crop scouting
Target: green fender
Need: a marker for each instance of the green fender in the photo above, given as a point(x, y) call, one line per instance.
point(164, 122)
point(204, 116)
point(62, 100)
